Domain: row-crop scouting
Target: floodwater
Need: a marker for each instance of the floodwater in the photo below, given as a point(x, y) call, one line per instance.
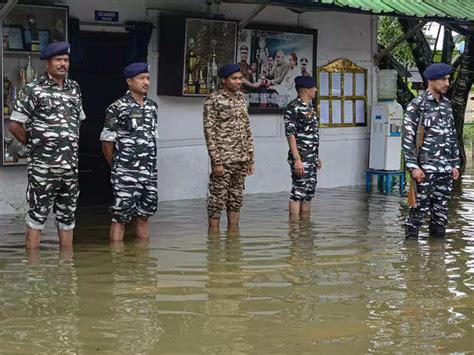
point(343, 282)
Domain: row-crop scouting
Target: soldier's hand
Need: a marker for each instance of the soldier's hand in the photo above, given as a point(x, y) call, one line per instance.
point(250, 169)
point(218, 170)
point(320, 164)
point(299, 168)
point(455, 173)
point(418, 175)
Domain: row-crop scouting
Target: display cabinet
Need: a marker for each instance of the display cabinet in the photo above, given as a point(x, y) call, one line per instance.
point(24, 33)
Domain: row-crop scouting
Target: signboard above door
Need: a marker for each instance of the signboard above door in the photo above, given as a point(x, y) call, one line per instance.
point(106, 16)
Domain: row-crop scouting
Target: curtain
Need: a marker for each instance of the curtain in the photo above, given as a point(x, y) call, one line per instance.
point(74, 39)
point(139, 38)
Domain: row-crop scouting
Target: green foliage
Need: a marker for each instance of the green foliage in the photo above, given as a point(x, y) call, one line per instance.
point(388, 30)
point(468, 134)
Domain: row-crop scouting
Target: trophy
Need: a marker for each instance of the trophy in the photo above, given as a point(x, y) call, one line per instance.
point(22, 153)
point(214, 68)
point(59, 31)
point(192, 64)
point(7, 88)
point(202, 83)
point(27, 74)
point(33, 32)
point(8, 157)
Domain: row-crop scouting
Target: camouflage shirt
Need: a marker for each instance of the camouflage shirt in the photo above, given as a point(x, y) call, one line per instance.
point(52, 116)
point(227, 128)
point(134, 129)
point(439, 152)
point(301, 121)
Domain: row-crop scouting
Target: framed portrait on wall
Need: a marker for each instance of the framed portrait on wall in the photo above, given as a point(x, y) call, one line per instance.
point(13, 38)
point(270, 59)
point(209, 44)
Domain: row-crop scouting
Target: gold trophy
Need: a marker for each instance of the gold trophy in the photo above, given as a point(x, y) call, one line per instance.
point(34, 34)
point(7, 88)
point(202, 83)
point(193, 62)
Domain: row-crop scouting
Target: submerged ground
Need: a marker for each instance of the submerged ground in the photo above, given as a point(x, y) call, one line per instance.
point(343, 282)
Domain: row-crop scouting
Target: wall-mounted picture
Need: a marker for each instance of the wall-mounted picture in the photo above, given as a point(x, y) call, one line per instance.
point(209, 44)
point(44, 38)
point(271, 58)
point(13, 39)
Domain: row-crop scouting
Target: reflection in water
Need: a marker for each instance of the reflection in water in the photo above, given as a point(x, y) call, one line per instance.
point(343, 281)
point(226, 320)
point(118, 289)
point(39, 303)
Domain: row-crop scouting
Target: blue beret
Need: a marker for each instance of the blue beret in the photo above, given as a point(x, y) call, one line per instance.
point(437, 71)
point(227, 70)
point(305, 82)
point(134, 69)
point(55, 48)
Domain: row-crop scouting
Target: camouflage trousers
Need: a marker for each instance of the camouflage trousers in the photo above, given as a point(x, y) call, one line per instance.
point(304, 187)
point(52, 188)
point(226, 191)
point(135, 193)
point(433, 195)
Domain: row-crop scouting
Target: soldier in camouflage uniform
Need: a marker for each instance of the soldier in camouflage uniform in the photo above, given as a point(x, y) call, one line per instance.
point(438, 161)
point(230, 146)
point(129, 145)
point(46, 118)
point(301, 128)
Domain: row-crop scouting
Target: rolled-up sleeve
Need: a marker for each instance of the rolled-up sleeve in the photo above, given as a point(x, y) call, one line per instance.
point(109, 132)
point(24, 105)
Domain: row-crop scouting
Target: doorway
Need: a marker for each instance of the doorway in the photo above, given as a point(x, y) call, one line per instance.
point(100, 77)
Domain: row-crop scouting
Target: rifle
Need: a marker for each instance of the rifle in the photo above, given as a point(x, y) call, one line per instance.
point(420, 135)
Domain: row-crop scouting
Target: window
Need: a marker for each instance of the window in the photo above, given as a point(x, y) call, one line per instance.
point(342, 94)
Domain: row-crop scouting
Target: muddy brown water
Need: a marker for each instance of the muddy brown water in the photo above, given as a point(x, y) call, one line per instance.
point(343, 282)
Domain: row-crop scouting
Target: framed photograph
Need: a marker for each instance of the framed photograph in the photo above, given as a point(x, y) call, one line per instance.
point(271, 58)
point(44, 38)
point(13, 38)
point(209, 44)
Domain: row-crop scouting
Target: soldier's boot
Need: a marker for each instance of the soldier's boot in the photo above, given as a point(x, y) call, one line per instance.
point(411, 232)
point(437, 231)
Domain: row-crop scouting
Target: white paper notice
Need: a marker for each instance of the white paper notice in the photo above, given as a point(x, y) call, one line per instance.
point(323, 84)
point(348, 112)
point(324, 111)
point(336, 84)
point(336, 112)
point(360, 111)
point(360, 84)
point(348, 84)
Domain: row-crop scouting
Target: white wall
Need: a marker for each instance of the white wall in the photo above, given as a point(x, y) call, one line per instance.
point(344, 151)
point(183, 162)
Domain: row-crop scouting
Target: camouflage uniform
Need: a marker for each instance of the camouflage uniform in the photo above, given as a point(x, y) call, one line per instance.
point(438, 156)
point(229, 142)
point(52, 116)
point(301, 121)
point(134, 131)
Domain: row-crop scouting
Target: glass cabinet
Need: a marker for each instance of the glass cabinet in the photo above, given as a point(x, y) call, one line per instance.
point(25, 32)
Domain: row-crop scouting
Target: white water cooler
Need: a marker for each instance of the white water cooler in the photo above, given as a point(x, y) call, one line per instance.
point(386, 124)
point(385, 135)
